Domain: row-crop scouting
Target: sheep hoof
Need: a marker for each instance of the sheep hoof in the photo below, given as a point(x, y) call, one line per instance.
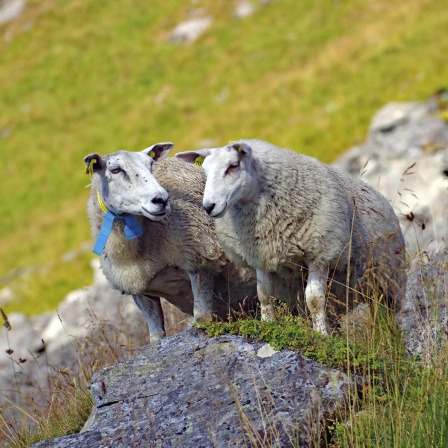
point(156, 337)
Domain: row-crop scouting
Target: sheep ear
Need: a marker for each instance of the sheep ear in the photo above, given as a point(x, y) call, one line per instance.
point(243, 148)
point(94, 163)
point(159, 150)
point(196, 157)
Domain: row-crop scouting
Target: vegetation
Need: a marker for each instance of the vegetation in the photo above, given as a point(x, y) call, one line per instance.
point(396, 401)
point(94, 77)
point(294, 333)
point(62, 405)
point(66, 414)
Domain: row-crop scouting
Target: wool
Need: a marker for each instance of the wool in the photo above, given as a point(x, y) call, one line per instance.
point(293, 211)
point(182, 243)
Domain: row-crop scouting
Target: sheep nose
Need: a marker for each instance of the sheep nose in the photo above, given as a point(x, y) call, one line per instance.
point(209, 208)
point(159, 200)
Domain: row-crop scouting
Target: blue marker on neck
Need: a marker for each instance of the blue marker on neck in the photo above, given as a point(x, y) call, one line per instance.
point(132, 229)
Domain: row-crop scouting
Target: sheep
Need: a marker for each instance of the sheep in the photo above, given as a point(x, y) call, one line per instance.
point(161, 243)
point(274, 209)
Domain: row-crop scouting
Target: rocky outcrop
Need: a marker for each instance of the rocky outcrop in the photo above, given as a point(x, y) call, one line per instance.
point(93, 323)
point(424, 316)
point(192, 391)
point(61, 339)
point(405, 157)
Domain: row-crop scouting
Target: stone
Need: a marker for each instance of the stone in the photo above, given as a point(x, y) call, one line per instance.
point(405, 157)
point(190, 30)
point(266, 351)
point(244, 9)
point(424, 315)
point(192, 391)
point(87, 324)
point(6, 295)
point(10, 10)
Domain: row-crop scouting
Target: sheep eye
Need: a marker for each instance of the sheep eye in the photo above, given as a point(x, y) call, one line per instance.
point(232, 167)
point(115, 170)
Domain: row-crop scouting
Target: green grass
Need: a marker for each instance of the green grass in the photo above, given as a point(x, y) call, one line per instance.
point(293, 333)
point(87, 77)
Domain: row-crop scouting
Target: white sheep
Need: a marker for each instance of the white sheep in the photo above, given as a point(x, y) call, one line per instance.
point(276, 209)
point(155, 240)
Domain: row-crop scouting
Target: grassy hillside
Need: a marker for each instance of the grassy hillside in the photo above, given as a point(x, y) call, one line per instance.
point(83, 76)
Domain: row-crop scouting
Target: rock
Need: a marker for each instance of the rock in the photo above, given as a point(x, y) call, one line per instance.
point(89, 324)
point(356, 320)
point(424, 316)
point(395, 114)
point(6, 295)
point(405, 157)
point(23, 334)
point(191, 391)
point(244, 9)
point(266, 351)
point(84, 310)
point(10, 10)
point(190, 30)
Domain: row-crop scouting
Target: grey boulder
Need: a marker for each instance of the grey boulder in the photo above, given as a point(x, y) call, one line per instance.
point(191, 391)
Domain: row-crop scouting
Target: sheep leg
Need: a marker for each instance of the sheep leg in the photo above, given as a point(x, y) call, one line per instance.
point(202, 286)
point(152, 310)
point(315, 296)
point(264, 292)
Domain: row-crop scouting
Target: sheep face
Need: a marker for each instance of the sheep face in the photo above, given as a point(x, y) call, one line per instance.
point(231, 176)
point(127, 185)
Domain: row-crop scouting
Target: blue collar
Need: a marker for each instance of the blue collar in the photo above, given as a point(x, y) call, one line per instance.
point(132, 229)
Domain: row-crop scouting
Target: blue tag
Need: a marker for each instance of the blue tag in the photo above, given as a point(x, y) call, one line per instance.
point(132, 229)
point(106, 228)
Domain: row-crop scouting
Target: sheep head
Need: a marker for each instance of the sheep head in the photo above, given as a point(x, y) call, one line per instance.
point(126, 183)
point(231, 176)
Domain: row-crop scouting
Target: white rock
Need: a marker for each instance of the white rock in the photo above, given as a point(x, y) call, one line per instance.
point(266, 351)
point(10, 9)
point(6, 295)
point(244, 9)
point(190, 30)
point(405, 157)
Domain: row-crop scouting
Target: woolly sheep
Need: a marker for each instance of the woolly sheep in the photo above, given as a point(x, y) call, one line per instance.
point(274, 209)
point(178, 257)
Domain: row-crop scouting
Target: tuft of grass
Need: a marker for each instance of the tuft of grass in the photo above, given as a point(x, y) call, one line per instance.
point(63, 404)
point(294, 333)
point(65, 413)
point(410, 411)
